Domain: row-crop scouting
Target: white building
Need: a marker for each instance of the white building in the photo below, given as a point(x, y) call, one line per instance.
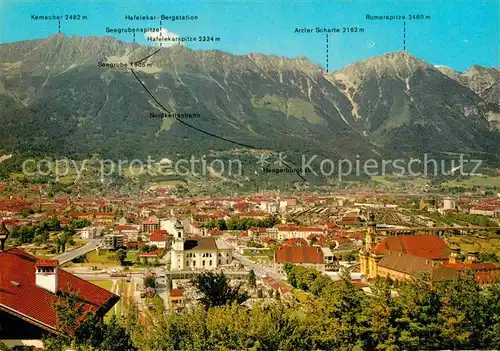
point(88, 233)
point(448, 203)
point(289, 231)
point(195, 228)
point(170, 224)
point(130, 231)
point(198, 253)
point(159, 238)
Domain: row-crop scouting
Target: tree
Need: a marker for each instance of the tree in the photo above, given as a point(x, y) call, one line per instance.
point(91, 331)
point(26, 234)
point(462, 315)
point(313, 240)
point(116, 337)
point(68, 310)
point(216, 290)
point(121, 255)
point(350, 256)
point(287, 267)
point(221, 224)
point(149, 282)
point(252, 279)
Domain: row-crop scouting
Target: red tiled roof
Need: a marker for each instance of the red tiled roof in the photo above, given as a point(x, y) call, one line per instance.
point(275, 285)
point(159, 235)
point(258, 229)
point(150, 222)
point(155, 253)
point(341, 240)
point(473, 266)
point(47, 263)
point(293, 227)
point(176, 293)
point(320, 238)
point(427, 246)
point(125, 227)
point(295, 242)
point(301, 254)
point(251, 214)
point(484, 208)
point(36, 303)
point(134, 244)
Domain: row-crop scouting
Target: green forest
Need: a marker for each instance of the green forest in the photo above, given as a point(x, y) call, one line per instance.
point(410, 315)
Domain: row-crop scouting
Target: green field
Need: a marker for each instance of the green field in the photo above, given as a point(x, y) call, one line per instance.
point(104, 259)
point(122, 289)
point(105, 284)
point(469, 243)
point(474, 181)
point(382, 180)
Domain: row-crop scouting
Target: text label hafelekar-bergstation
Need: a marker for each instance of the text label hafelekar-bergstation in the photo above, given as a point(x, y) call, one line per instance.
point(172, 18)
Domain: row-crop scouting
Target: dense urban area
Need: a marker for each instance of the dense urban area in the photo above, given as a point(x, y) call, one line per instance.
point(332, 269)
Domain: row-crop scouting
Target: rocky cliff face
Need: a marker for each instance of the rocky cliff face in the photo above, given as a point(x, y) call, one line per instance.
point(485, 82)
point(56, 98)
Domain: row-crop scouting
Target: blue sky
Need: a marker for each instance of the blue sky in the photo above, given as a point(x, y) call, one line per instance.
point(459, 34)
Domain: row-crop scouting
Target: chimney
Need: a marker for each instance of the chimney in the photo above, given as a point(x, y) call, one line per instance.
point(454, 255)
point(46, 274)
point(471, 257)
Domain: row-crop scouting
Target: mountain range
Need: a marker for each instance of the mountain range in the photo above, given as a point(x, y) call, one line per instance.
point(56, 99)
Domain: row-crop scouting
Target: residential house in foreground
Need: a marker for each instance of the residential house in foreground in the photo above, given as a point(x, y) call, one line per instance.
point(29, 287)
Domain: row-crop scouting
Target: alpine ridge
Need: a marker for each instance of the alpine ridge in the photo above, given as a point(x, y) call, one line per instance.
point(59, 96)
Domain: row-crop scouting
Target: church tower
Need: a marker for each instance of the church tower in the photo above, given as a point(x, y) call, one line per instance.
point(179, 237)
point(366, 264)
point(370, 231)
point(177, 255)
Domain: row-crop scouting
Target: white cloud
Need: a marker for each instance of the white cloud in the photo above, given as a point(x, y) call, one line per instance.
point(164, 34)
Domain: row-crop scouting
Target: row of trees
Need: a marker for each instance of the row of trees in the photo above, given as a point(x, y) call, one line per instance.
point(457, 315)
point(39, 234)
point(337, 316)
point(477, 220)
point(411, 314)
point(241, 223)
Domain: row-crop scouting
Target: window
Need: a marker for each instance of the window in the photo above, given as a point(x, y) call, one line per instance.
point(210, 262)
point(219, 261)
point(203, 263)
